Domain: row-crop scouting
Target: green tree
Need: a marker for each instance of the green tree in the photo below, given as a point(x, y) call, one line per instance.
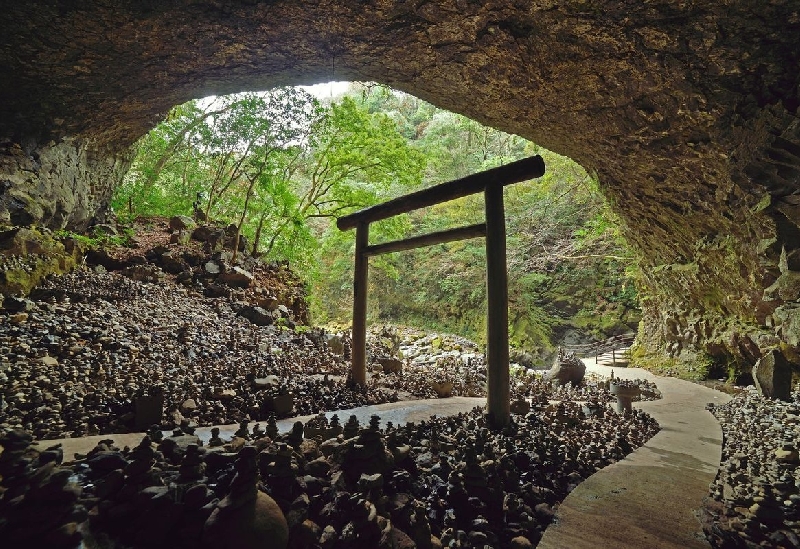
point(221, 150)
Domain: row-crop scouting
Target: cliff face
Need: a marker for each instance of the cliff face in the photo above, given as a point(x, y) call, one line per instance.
point(687, 111)
point(58, 184)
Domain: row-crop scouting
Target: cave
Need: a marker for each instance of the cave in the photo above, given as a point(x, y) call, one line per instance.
point(688, 113)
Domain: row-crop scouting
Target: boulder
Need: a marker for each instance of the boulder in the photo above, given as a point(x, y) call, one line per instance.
point(444, 389)
point(269, 303)
point(144, 273)
point(181, 223)
point(256, 524)
point(17, 304)
point(188, 406)
point(268, 382)
point(102, 257)
point(172, 264)
point(206, 233)
point(521, 542)
point(391, 365)
point(180, 237)
point(335, 343)
point(257, 315)
point(787, 454)
point(224, 394)
point(236, 277)
point(772, 375)
point(395, 538)
point(281, 405)
point(49, 361)
point(212, 267)
point(216, 290)
point(567, 368)
point(19, 318)
point(523, 358)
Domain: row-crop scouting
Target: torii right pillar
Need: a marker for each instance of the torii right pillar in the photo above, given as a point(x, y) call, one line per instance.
point(498, 402)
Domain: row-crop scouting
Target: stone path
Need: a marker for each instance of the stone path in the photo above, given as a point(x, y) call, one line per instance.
point(396, 412)
point(649, 499)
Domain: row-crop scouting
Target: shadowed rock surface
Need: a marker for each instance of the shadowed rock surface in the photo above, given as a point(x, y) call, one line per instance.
point(687, 112)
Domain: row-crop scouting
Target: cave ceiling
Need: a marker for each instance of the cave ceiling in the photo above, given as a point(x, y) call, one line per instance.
point(687, 111)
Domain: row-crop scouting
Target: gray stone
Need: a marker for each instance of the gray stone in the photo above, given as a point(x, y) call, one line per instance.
point(236, 277)
point(567, 368)
point(772, 375)
point(788, 317)
point(49, 361)
point(172, 264)
point(267, 382)
point(144, 273)
point(181, 222)
point(180, 237)
point(257, 315)
point(207, 233)
point(335, 344)
point(188, 406)
point(212, 267)
point(391, 365)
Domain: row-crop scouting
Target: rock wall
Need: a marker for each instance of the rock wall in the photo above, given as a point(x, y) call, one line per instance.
point(721, 278)
point(687, 112)
point(58, 185)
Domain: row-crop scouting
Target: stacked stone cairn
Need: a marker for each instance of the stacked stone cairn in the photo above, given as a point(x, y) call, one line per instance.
point(39, 503)
point(445, 482)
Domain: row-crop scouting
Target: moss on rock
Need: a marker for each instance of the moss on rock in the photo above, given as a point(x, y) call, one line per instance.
point(29, 255)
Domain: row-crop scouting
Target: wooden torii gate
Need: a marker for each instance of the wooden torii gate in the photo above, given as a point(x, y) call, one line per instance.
point(491, 182)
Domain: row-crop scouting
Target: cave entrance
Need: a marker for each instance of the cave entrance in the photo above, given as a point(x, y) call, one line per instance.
point(491, 183)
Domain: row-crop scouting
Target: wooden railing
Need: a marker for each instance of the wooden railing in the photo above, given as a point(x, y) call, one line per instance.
point(598, 348)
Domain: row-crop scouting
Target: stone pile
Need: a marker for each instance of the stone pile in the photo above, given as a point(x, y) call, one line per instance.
point(444, 482)
point(78, 355)
point(436, 365)
point(755, 499)
point(87, 355)
point(567, 368)
point(40, 505)
point(97, 352)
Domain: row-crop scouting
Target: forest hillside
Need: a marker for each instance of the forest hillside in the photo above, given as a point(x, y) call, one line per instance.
point(280, 166)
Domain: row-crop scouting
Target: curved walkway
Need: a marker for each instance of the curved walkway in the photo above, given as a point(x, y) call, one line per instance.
point(649, 499)
point(396, 412)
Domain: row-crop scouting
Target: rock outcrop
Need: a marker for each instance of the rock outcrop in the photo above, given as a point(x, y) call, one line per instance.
point(687, 112)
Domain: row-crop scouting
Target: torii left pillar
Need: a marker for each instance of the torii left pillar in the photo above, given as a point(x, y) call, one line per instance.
point(498, 401)
point(358, 370)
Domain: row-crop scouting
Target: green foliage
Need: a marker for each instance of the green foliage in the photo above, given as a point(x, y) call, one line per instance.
point(282, 167)
point(276, 163)
point(696, 369)
point(97, 237)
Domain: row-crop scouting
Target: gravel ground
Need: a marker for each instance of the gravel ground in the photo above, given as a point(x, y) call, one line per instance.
point(755, 499)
